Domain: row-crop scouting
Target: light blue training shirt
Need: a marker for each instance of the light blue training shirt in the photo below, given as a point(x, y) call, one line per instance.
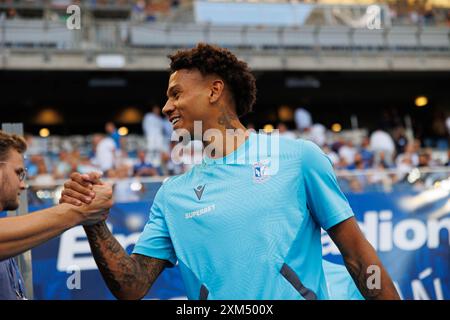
point(247, 226)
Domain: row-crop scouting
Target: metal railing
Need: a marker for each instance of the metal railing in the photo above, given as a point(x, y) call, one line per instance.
point(32, 34)
point(354, 181)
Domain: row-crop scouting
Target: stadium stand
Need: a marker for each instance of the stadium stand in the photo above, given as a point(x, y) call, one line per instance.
point(323, 36)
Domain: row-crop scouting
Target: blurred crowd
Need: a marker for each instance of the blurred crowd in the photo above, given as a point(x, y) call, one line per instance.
point(389, 153)
point(137, 10)
point(402, 12)
point(386, 156)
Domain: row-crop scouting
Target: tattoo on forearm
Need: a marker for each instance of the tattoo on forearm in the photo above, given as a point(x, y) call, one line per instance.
point(122, 273)
point(104, 247)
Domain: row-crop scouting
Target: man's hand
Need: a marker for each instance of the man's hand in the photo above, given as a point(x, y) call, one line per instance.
point(98, 209)
point(127, 277)
point(92, 197)
point(79, 189)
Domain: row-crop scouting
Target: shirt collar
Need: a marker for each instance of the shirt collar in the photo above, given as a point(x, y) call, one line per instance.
point(237, 156)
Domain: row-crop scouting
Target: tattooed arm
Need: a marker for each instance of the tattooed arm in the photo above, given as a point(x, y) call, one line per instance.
point(359, 256)
point(128, 277)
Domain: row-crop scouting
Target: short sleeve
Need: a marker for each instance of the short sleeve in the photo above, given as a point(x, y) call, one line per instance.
point(325, 200)
point(155, 239)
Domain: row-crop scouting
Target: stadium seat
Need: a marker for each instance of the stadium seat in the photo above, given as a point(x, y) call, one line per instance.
point(106, 35)
point(368, 39)
point(226, 36)
point(334, 37)
point(402, 38)
point(435, 38)
point(263, 37)
point(186, 35)
point(149, 35)
point(298, 37)
point(36, 33)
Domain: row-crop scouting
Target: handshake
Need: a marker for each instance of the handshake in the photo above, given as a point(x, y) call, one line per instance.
point(91, 196)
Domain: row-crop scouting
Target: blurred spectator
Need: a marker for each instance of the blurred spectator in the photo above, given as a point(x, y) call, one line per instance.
point(404, 166)
point(167, 134)
point(122, 187)
point(400, 139)
point(63, 167)
point(358, 163)
point(174, 166)
point(360, 181)
point(410, 153)
point(424, 159)
point(334, 158)
point(122, 157)
point(336, 145)
point(153, 130)
point(31, 165)
point(317, 134)
point(383, 161)
point(104, 152)
point(366, 152)
point(381, 176)
point(355, 185)
point(143, 168)
point(35, 147)
point(414, 17)
point(303, 119)
point(138, 12)
point(157, 9)
point(428, 15)
point(381, 142)
point(348, 153)
point(43, 178)
point(11, 13)
point(112, 132)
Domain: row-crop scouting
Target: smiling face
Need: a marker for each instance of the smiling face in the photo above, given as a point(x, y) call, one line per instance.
point(10, 184)
point(189, 100)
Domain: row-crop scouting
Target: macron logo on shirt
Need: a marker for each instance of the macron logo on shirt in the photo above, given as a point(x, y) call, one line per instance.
point(199, 191)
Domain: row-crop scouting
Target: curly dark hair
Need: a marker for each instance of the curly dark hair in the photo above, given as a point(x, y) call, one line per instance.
point(210, 59)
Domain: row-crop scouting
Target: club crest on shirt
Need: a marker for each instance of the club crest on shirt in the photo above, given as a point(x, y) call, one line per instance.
point(261, 171)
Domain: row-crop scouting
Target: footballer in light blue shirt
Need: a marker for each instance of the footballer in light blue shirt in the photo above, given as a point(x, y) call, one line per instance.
point(245, 223)
point(239, 231)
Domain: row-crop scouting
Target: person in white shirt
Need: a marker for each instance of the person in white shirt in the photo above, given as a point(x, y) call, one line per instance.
point(303, 119)
point(381, 141)
point(105, 153)
point(153, 129)
point(167, 134)
point(348, 153)
point(334, 158)
point(317, 134)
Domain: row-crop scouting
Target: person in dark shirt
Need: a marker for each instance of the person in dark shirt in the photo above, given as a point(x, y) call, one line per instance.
point(143, 168)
